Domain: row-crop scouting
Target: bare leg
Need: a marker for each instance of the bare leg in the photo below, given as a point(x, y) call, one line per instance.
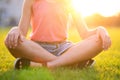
point(84, 50)
point(32, 51)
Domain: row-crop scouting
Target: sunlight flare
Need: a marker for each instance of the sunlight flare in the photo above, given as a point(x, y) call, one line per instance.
point(103, 7)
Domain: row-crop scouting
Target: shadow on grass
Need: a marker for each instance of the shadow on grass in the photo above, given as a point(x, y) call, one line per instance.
point(27, 74)
point(76, 74)
point(45, 74)
point(93, 73)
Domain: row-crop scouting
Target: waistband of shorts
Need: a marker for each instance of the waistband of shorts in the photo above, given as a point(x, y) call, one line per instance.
point(52, 43)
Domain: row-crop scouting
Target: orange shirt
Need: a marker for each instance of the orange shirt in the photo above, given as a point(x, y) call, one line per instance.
point(49, 22)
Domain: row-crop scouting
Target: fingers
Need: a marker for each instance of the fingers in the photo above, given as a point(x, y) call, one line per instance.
point(21, 38)
point(12, 38)
point(106, 42)
point(11, 41)
point(15, 41)
point(7, 41)
point(97, 36)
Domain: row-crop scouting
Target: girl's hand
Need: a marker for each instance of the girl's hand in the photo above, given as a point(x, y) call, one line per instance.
point(13, 38)
point(104, 36)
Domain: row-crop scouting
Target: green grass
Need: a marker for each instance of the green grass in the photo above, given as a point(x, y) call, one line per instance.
point(107, 65)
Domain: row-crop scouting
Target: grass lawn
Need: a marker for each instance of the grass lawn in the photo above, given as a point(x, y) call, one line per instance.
point(107, 65)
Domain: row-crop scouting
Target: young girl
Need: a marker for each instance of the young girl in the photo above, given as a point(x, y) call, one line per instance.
point(48, 43)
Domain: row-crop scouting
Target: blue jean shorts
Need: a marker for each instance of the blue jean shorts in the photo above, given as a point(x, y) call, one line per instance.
point(56, 48)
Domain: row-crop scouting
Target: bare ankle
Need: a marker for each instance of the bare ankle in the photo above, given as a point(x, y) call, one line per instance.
point(44, 64)
point(34, 64)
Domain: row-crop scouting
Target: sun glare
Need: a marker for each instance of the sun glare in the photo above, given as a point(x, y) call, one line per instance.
point(103, 7)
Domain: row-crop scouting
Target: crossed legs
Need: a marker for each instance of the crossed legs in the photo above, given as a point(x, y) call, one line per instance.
point(83, 50)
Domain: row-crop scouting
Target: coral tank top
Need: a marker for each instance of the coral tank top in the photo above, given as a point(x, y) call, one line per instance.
point(48, 21)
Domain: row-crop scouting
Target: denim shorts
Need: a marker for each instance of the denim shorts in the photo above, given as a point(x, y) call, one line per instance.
point(56, 48)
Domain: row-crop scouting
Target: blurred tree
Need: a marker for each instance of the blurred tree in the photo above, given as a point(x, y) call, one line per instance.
point(99, 20)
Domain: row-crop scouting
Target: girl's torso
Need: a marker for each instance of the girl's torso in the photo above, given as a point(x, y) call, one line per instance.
point(49, 22)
